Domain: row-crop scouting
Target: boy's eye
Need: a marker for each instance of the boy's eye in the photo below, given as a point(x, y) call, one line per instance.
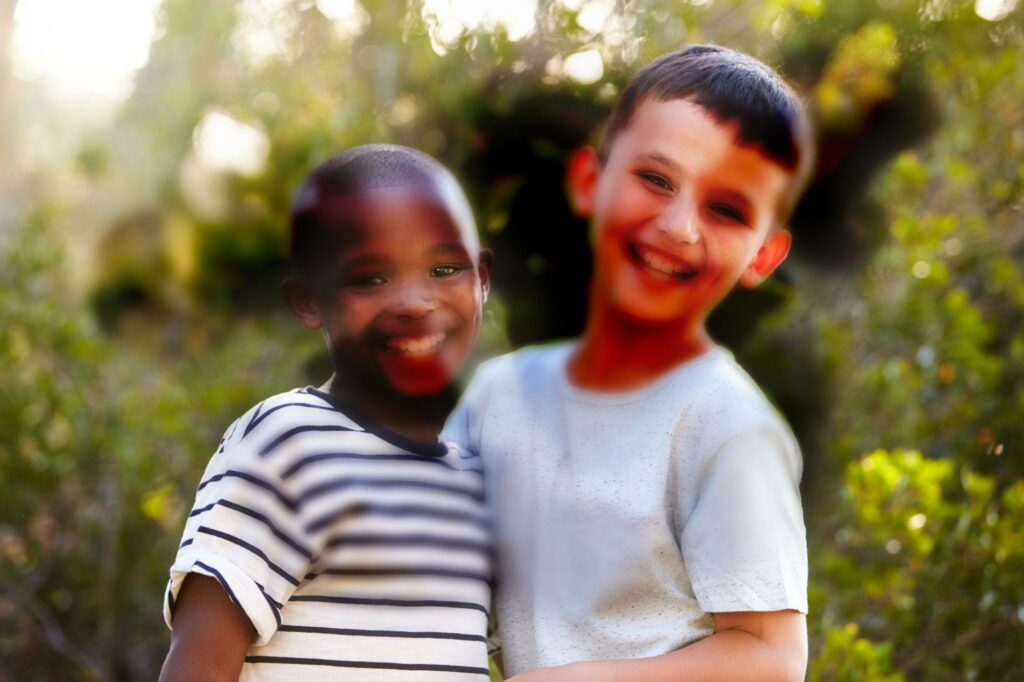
point(446, 270)
point(365, 281)
point(727, 211)
point(656, 180)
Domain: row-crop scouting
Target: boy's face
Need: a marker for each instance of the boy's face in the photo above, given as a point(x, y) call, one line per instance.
point(681, 212)
point(401, 305)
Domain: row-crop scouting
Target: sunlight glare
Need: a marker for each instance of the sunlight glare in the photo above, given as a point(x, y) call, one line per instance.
point(593, 15)
point(264, 30)
point(449, 19)
point(585, 67)
point(350, 18)
point(607, 21)
point(994, 10)
point(82, 50)
point(224, 143)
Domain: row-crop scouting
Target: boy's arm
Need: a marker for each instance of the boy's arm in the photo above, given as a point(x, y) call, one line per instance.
point(745, 552)
point(211, 635)
point(761, 646)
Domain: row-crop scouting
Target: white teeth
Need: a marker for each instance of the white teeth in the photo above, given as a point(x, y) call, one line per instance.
point(417, 346)
point(656, 262)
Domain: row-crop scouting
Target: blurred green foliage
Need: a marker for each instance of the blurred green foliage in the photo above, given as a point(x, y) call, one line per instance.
point(893, 339)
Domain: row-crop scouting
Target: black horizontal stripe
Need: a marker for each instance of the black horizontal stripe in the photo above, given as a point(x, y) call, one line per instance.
point(255, 480)
point(383, 633)
point(350, 482)
point(331, 456)
point(222, 581)
point(275, 607)
point(429, 449)
point(202, 510)
point(397, 511)
point(371, 601)
point(252, 548)
point(368, 665)
point(257, 418)
point(185, 543)
point(400, 571)
point(273, 601)
point(418, 540)
point(280, 535)
point(308, 428)
point(227, 436)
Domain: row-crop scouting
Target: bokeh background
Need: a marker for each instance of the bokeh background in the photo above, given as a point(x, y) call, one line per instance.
point(148, 152)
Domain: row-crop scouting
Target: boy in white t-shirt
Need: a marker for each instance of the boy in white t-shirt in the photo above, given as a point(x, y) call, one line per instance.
point(645, 490)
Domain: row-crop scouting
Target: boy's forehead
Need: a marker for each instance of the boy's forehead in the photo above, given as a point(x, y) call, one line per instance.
point(732, 126)
point(355, 214)
point(685, 136)
point(664, 130)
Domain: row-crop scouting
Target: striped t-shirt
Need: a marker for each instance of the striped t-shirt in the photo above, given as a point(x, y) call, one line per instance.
point(356, 553)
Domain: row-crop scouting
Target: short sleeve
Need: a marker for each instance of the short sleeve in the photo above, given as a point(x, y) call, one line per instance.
point(244, 531)
point(744, 544)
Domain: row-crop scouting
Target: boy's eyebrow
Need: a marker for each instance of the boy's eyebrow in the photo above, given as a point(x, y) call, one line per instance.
point(449, 247)
point(727, 193)
point(366, 259)
point(737, 196)
point(661, 159)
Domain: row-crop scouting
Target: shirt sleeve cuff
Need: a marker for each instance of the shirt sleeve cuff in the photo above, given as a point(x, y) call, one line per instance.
point(729, 595)
point(260, 609)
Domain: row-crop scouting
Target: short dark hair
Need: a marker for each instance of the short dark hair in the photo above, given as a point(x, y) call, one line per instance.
point(732, 87)
point(319, 204)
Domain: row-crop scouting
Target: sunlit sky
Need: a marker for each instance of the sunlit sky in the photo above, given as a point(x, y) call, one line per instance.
point(91, 49)
point(82, 49)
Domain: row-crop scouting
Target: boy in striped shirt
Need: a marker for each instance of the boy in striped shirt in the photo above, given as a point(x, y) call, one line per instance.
point(333, 536)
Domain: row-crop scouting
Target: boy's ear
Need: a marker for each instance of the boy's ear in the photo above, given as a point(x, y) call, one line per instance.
point(768, 257)
point(484, 266)
point(582, 174)
point(302, 302)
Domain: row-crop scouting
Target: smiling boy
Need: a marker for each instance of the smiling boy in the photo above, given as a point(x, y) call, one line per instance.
point(333, 536)
point(646, 491)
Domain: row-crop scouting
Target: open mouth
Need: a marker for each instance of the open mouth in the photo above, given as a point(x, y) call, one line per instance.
point(417, 346)
point(660, 265)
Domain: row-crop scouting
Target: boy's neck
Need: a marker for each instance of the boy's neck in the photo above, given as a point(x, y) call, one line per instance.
point(417, 417)
point(615, 354)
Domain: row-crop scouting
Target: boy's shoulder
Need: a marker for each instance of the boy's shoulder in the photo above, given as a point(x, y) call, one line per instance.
point(527, 363)
point(285, 418)
point(721, 401)
point(721, 381)
point(713, 387)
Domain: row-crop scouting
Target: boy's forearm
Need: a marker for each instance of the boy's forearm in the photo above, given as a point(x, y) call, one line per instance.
point(736, 654)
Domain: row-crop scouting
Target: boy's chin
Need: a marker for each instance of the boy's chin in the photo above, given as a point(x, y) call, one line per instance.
point(654, 312)
point(423, 386)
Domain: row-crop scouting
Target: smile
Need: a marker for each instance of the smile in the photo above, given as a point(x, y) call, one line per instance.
point(417, 346)
point(659, 264)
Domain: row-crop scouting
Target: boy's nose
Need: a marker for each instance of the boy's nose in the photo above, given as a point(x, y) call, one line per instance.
point(414, 300)
point(679, 221)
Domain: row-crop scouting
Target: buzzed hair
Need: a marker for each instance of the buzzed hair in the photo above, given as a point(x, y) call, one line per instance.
point(733, 88)
point(319, 203)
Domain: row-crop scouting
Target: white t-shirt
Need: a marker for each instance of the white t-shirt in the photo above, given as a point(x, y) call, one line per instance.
point(356, 553)
point(624, 519)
